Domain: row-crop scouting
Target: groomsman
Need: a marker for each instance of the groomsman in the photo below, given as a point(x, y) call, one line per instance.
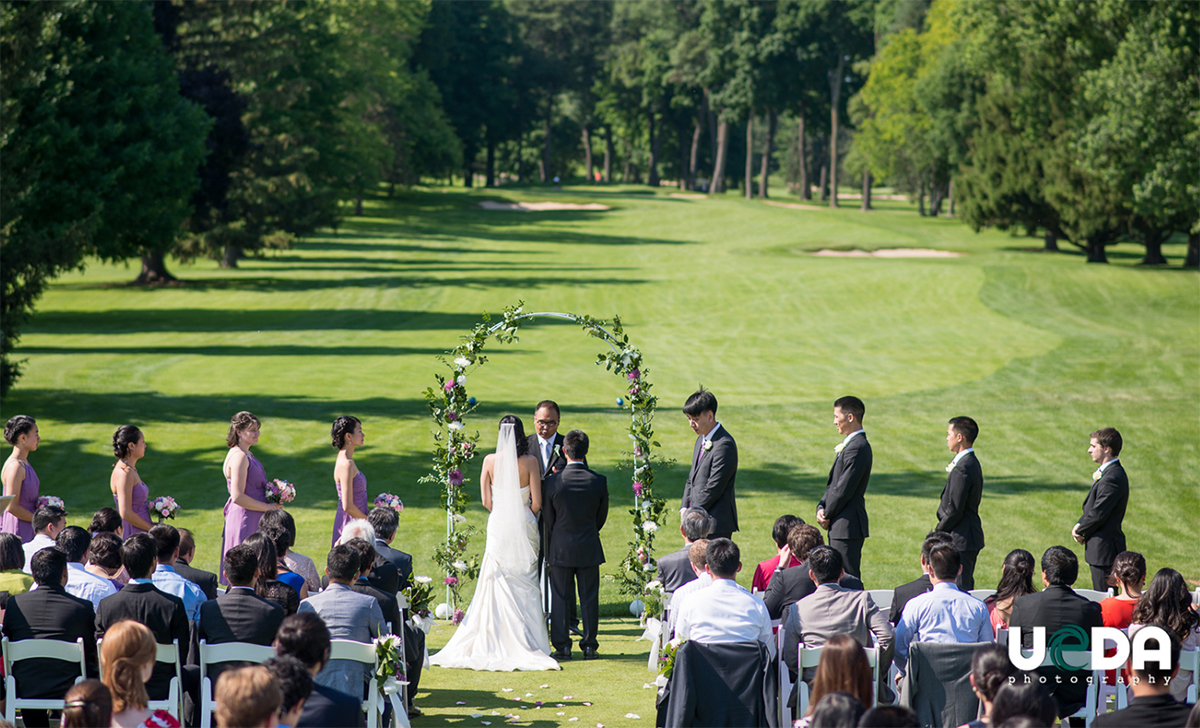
point(710, 484)
point(1099, 529)
point(843, 509)
point(958, 513)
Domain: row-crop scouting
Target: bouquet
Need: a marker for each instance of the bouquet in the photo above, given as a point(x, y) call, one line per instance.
point(389, 660)
point(50, 500)
point(280, 491)
point(387, 500)
point(666, 663)
point(654, 601)
point(419, 594)
point(164, 506)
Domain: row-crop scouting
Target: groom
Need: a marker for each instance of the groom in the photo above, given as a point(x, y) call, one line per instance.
point(574, 508)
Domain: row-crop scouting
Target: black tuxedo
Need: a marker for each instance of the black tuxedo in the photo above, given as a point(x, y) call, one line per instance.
point(558, 459)
point(903, 593)
point(675, 569)
point(163, 613)
point(207, 581)
point(710, 482)
point(1148, 710)
point(958, 514)
point(793, 584)
point(1100, 525)
point(50, 613)
point(402, 561)
point(329, 708)
point(574, 509)
point(844, 502)
point(238, 616)
point(1054, 607)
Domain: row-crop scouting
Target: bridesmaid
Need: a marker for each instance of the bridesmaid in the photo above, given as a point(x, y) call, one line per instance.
point(19, 478)
point(129, 492)
point(247, 483)
point(351, 483)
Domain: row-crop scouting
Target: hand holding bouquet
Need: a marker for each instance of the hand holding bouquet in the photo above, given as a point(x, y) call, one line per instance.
point(280, 491)
point(164, 506)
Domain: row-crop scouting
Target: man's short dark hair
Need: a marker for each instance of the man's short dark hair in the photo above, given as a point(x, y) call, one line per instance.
point(47, 515)
point(47, 567)
point(945, 561)
point(166, 537)
point(933, 538)
point(825, 563)
point(187, 542)
point(547, 403)
point(304, 636)
point(575, 444)
point(696, 523)
point(966, 427)
point(342, 563)
point(802, 539)
point(1110, 438)
point(74, 542)
point(105, 550)
point(366, 553)
point(295, 681)
point(723, 557)
point(241, 562)
point(700, 402)
point(851, 406)
point(1152, 671)
point(385, 521)
point(138, 553)
point(783, 525)
point(1061, 565)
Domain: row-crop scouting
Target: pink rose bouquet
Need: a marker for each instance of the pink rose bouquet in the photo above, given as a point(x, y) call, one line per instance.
point(387, 500)
point(280, 491)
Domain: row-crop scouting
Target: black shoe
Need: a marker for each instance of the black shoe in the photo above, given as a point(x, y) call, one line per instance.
point(575, 630)
point(589, 653)
point(561, 655)
point(414, 712)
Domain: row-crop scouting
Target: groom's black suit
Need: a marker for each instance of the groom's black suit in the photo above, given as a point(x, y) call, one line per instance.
point(710, 483)
point(1100, 525)
point(958, 514)
point(574, 509)
point(844, 504)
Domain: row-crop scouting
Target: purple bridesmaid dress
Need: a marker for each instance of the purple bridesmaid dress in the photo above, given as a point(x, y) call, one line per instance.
point(359, 484)
point(139, 503)
point(239, 522)
point(27, 499)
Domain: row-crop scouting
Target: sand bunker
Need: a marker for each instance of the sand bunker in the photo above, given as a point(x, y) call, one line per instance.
point(793, 206)
point(539, 206)
point(688, 196)
point(888, 253)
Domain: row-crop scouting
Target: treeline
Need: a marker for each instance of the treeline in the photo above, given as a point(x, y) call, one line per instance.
point(205, 128)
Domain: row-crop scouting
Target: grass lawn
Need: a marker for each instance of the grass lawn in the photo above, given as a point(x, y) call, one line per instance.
point(1041, 349)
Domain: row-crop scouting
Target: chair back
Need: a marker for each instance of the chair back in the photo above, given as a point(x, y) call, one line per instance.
point(982, 594)
point(217, 654)
point(937, 685)
point(1093, 595)
point(882, 598)
point(810, 657)
point(1189, 661)
point(26, 649)
point(718, 685)
point(363, 652)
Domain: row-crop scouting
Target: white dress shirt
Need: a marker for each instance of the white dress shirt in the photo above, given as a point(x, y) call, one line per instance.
point(957, 457)
point(86, 585)
point(676, 603)
point(39, 542)
point(852, 434)
point(724, 612)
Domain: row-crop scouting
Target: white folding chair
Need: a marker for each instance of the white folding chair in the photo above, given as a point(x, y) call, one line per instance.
point(1092, 706)
point(812, 658)
point(1189, 661)
point(170, 654)
point(882, 598)
point(364, 652)
point(1196, 596)
point(785, 680)
point(225, 652)
point(982, 594)
point(26, 649)
point(1093, 595)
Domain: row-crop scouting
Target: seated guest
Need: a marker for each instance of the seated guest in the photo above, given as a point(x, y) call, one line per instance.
point(74, 542)
point(791, 585)
point(904, 592)
point(87, 704)
point(47, 522)
point(384, 576)
point(1016, 580)
point(1023, 700)
point(247, 697)
point(698, 560)
point(282, 539)
point(104, 559)
point(1153, 702)
point(990, 669)
point(297, 562)
point(889, 716)
point(1129, 575)
point(141, 601)
point(1167, 603)
point(206, 580)
point(385, 521)
point(239, 615)
point(167, 579)
point(674, 569)
point(838, 710)
point(128, 658)
point(943, 614)
point(783, 560)
point(305, 637)
point(106, 520)
point(833, 609)
point(13, 578)
point(843, 668)
point(295, 685)
point(48, 613)
point(724, 611)
point(266, 585)
point(348, 615)
point(1055, 607)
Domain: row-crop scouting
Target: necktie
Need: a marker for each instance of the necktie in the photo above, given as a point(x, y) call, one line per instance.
point(546, 455)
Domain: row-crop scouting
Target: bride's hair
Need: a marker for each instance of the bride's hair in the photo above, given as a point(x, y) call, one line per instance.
point(518, 432)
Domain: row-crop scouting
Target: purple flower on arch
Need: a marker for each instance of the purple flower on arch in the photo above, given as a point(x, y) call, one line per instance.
point(449, 385)
point(637, 488)
point(450, 580)
point(633, 374)
point(451, 415)
point(455, 476)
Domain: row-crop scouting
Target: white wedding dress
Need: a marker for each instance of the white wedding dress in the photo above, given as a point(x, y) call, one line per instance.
point(504, 628)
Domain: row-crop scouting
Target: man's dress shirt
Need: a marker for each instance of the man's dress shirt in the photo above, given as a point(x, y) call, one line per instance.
point(167, 579)
point(944, 614)
point(724, 612)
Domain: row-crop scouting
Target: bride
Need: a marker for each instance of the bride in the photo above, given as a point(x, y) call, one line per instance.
point(504, 628)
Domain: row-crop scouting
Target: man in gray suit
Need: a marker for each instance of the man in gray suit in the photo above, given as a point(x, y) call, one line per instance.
point(348, 615)
point(834, 609)
point(675, 569)
point(710, 484)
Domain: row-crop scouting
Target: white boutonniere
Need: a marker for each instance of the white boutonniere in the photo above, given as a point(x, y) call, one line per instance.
point(707, 445)
point(950, 467)
point(1096, 475)
point(556, 452)
point(839, 447)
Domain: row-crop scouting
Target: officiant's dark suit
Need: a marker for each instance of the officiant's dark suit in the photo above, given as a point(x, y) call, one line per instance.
point(557, 460)
point(958, 514)
point(574, 509)
point(844, 502)
point(1100, 525)
point(710, 483)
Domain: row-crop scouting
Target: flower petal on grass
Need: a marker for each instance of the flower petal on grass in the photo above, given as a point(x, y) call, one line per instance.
point(572, 720)
point(507, 690)
point(529, 695)
point(461, 702)
point(545, 686)
point(560, 713)
point(634, 716)
point(568, 697)
point(588, 704)
point(476, 715)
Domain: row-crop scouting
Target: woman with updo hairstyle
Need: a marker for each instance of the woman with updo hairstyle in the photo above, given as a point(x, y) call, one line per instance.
point(247, 484)
point(127, 660)
point(990, 669)
point(1128, 573)
point(13, 578)
point(130, 493)
point(106, 520)
point(104, 559)
point(1016, 580)
point(350, 482)
point(86, 705)
point(19, 478)
point(267, 586)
